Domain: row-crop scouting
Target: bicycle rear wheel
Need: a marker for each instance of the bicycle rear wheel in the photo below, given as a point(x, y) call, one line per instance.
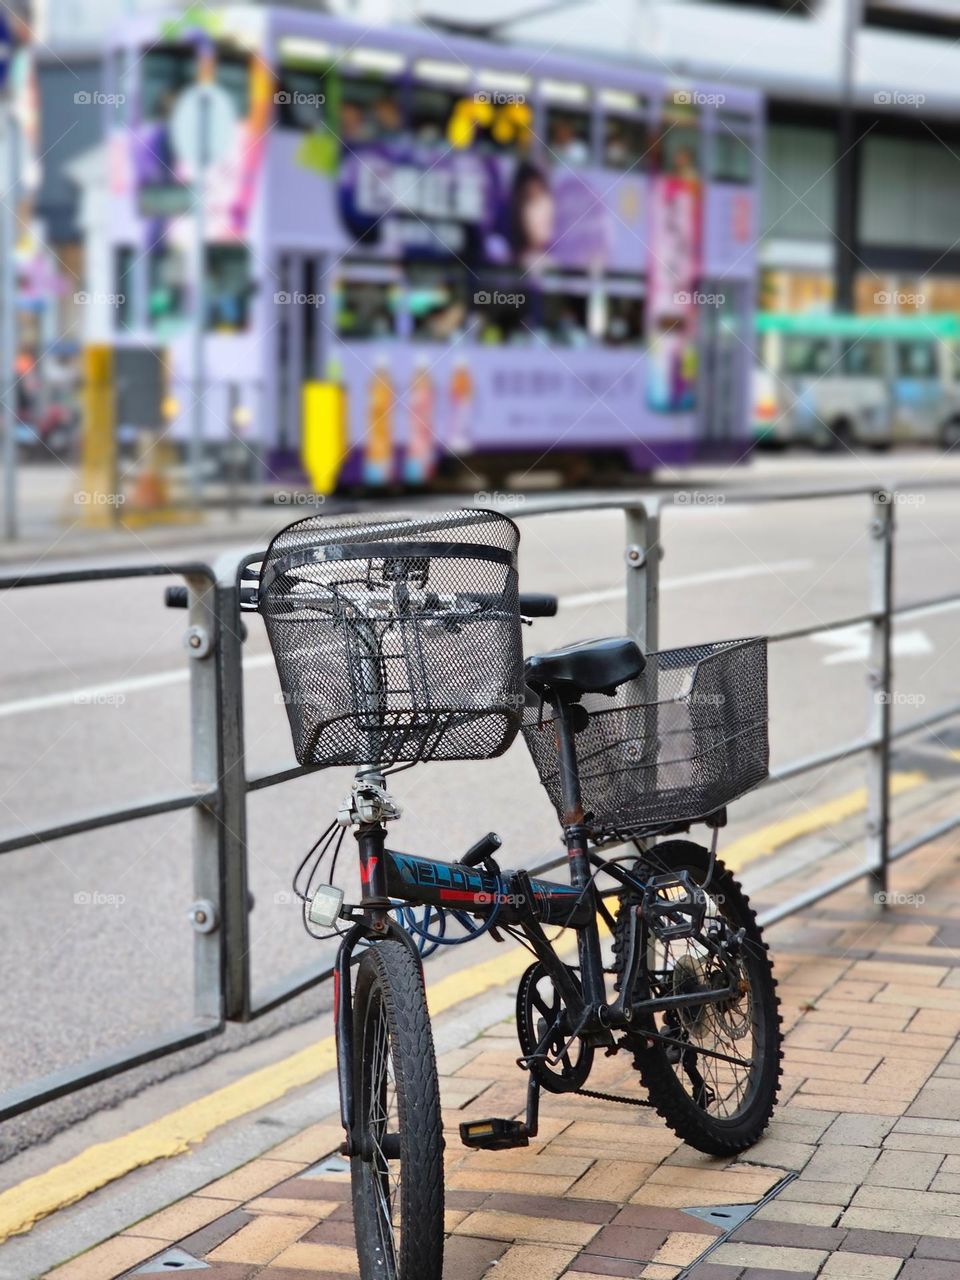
point(716, 1082)
point(397, 1176)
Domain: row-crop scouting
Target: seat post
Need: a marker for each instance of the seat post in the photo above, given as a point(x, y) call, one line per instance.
point(569, 717)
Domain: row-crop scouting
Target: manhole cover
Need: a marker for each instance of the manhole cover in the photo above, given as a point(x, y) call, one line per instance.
point(330, 1164)
point(726, 1216)
point(171, 1260)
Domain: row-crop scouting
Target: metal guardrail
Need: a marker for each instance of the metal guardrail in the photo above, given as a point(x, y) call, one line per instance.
point(218, 798)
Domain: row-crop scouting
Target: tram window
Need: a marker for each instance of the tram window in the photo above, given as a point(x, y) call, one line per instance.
point(864, 359)
point(680, 136)
point(565, 316)
point(624, 322)
point(124, 262)
point(369, 110)
point(806, 356)
point(625, 143)
point(366, 309)
point(228, 288)
point(430, 112)
point(437, 304)
point(568, 136)
point(167, 285)
point(300, 97)
point(732, 156)
point(916, 360)
point(166, 73)
point(233, 75)
point(501, 314)
point(679, 151)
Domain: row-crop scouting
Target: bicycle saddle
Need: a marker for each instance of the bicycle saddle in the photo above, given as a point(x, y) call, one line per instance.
point(594, 666)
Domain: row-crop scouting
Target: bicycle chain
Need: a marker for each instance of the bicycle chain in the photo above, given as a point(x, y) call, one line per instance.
point(614, 1097)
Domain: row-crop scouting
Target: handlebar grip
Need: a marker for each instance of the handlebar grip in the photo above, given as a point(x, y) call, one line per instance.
point(535, 604)
point(178, 598)
point(175, 597)
point(485, 847)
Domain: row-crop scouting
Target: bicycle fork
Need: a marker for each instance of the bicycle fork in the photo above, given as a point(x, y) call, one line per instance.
point(368, 809)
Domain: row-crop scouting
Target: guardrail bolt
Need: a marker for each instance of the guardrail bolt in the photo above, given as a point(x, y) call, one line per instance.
point(636, 557)
point(203, 916)
point(197, 642)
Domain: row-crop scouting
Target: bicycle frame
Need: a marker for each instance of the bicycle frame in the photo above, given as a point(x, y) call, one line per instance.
point(512, 899)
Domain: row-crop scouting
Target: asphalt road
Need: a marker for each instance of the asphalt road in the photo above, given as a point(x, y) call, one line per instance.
point(94, 711)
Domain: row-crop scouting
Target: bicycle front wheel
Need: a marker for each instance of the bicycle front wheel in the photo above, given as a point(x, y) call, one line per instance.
point(397, 1175)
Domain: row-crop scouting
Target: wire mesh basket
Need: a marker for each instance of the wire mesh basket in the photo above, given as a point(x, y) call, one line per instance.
point(674, 745)
point(398, 639)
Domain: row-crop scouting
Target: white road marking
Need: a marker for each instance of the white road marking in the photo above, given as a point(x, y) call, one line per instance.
point(852, 644)
point(110, 693)
point(742, 571)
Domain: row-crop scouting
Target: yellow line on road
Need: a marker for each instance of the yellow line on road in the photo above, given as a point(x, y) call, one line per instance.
point(770, 838)
point(24, 1205)
point(173, 1134)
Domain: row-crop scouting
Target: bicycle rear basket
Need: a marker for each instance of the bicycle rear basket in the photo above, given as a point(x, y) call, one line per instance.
point(396, 639)
point(674, 745)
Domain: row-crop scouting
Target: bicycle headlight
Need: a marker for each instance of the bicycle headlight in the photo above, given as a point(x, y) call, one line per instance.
point(325, 905)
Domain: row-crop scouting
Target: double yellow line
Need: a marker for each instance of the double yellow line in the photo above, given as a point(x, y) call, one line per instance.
point(173, 1134)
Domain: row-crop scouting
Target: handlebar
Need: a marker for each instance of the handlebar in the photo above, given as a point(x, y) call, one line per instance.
point(533, 604)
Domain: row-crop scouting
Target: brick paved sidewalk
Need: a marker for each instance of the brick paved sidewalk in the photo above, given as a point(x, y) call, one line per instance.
point(863, 1155)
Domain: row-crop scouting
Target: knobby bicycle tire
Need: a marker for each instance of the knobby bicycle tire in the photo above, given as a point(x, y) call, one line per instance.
point(390, 998)
point(671, 1095)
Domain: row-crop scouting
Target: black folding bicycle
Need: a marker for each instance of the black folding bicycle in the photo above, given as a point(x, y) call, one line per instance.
point(398, 640)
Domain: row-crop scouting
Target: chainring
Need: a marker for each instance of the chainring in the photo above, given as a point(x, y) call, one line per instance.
point(540, 1010)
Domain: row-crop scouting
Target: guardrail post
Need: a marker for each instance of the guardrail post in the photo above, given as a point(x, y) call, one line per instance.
point(880, 681)
point(205, 912)
point(233, 799)
point(643, 553)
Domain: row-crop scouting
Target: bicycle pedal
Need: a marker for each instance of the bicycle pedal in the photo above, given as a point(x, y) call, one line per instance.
point(494, 1134)
point(673, 918)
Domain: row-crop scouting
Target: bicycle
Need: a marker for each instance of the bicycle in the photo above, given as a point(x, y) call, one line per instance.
point(398, 641)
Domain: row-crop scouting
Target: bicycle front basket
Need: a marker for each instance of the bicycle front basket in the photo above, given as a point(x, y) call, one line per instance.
point(396, 639)
point(683, 739)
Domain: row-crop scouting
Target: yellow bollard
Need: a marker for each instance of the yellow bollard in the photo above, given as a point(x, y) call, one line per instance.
point(324, 440)
point(98, 494)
